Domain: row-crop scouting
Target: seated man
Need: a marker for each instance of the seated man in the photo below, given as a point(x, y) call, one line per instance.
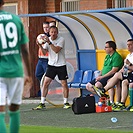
point(112, 63)
point(120, 77)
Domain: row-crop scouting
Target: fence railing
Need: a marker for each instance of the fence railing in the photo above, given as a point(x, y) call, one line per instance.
point(69, 6)
point(74, 5)
point(121, 3)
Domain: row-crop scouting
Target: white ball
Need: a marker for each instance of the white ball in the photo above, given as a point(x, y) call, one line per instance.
point(40, 38)
point(113, 119)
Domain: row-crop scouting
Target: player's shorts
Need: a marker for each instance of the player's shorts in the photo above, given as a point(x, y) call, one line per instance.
point(103, 81)
point(129, 77)
point(11, 90)
point(61, 71)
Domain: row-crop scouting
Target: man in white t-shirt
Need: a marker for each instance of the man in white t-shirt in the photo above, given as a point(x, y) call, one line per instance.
point(55, 45)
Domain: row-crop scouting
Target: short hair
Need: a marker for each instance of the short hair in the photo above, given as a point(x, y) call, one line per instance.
point(54, 27)
point(112, 44)
point(46, 22)
point(54, 22)
point(130, 40)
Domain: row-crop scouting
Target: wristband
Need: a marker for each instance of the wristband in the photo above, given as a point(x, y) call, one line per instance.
point(50, 43)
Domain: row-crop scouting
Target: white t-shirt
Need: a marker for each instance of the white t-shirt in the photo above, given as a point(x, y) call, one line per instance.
point(56, 59)
point(130, 57)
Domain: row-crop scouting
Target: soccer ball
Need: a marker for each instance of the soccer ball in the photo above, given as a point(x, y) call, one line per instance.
point(41, 38)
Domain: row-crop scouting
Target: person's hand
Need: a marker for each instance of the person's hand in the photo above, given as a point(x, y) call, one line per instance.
point(28, 82)
point(122, 69)
point(46, 38)
point(98, 78)
point(27, 86)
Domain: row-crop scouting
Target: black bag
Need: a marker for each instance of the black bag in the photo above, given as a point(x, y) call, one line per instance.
point(82, 105)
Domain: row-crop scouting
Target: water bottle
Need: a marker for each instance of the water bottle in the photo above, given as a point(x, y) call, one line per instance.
point(125, 72)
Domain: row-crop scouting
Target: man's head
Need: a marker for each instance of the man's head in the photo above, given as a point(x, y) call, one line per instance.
point(52, 23)
point(130, 45)
point(46, 27)
point(53, 32)
point(110, 47)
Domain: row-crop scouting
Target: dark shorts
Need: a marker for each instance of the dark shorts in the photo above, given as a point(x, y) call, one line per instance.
point(61, 71)
point(129, 77)
point(103, 81)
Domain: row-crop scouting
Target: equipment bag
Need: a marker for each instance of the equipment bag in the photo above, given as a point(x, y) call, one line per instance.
point(82, 105)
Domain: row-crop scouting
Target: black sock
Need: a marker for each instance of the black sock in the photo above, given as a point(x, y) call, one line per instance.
point(122, 103)
point(103, 90)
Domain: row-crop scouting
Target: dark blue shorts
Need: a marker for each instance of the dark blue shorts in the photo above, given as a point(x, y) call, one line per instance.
point(61, 71)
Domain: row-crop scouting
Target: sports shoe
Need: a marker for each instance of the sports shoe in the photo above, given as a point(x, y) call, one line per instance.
point(120, 107)
point(128, 108)
point(105, 95)
point(114, 105)
point(39, 107)
point(99, 91)
point(67, 106)
point(131, 109)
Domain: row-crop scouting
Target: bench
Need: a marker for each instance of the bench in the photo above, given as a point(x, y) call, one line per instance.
point(81, 78)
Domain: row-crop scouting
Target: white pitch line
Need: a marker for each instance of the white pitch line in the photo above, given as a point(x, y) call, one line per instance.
point(120, 127)
point(25, 110)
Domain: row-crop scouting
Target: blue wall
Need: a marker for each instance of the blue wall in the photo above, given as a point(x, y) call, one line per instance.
point(87, 60)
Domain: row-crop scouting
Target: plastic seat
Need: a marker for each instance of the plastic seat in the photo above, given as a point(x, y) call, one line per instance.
point(87, 77)
point(96, 73)
point(78, 75)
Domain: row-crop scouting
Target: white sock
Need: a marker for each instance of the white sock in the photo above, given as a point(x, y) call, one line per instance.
point(65, 100)
point(43, 100)
point(111, 102)
point(117, 102)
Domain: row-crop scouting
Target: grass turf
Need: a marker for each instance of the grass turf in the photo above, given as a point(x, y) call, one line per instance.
point(45, 129)
point(59, 120)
